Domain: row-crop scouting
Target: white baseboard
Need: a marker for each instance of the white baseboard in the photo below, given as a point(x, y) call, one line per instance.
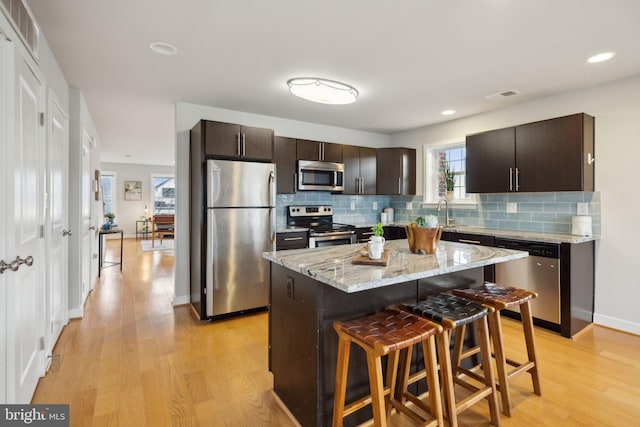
point(76, 313)
point(180, 300)
point(615, 323)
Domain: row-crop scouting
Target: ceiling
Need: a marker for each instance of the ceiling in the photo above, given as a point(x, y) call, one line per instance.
point(409, 60)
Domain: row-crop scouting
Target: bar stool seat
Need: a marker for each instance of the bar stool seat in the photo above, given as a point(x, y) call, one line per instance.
point(453, 313)
point(380, 334)
point(501, 297)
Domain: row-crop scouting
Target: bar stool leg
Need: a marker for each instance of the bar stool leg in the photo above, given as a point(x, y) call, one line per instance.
point(443, 341)
point(527, 324)
point(489, 380)
point(495, 327)
point(344, 349)
point(374, 366)
point(431, 363)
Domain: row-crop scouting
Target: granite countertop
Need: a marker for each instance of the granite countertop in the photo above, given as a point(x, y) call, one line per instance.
point(507, 234)
point(332, 265)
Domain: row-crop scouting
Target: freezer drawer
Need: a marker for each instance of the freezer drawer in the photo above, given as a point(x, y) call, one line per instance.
point(237, 277)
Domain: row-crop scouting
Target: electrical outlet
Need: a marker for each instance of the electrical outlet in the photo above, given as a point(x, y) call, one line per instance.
point(583, 208)
point(375, 206)
point(512, 207)
point(409, 206)
point(353, 206)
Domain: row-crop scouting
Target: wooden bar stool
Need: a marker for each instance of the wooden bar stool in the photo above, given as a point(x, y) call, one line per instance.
point(500, 297)
point(380, 334)
point(453, 313)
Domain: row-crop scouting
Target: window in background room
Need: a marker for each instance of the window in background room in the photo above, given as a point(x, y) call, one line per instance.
point(434, 163)
point(108, 184)
point(164, 194)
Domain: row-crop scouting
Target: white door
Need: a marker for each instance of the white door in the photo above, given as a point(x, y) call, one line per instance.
point(57, 221)
point(26, 288)
point(6, 104)
point(86, 217)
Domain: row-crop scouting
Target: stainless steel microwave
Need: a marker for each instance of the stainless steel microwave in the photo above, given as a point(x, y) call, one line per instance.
point(320, 176)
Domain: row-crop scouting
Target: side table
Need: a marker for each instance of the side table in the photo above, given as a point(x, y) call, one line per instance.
point(145, 229)
point(101, 235)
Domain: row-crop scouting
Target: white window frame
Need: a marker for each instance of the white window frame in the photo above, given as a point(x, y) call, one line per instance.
point(152, 206)
point(114, 201)
point(430, 173)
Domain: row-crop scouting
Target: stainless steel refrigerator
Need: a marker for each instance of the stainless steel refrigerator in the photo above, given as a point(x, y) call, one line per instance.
point(240, 217)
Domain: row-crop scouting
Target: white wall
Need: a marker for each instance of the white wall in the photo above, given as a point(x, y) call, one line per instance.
point(616, 107)
point(128, 211)
point(187, 115)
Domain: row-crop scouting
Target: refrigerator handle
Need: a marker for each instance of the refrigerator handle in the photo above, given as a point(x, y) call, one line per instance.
point(272, 197)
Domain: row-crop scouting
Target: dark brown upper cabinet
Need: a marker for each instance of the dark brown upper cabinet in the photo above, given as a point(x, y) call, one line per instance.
point(396, 171)
point(227, 140)
point(490, 161)
point(545, 156)
point(319, 151)
point(359, 169)
point(284, 157)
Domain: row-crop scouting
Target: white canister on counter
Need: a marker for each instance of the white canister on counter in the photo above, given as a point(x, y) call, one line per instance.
point(383, 218)
point(581, 225)
point(389, 212)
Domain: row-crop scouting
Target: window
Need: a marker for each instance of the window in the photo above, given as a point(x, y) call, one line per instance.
point(435, 156)
point(108, 184)
point(164, 194)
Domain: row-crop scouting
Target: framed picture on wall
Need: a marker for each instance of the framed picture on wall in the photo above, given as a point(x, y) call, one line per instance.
point(133, 190)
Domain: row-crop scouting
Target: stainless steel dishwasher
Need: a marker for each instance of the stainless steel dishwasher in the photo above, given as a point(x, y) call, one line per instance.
point(539, 272)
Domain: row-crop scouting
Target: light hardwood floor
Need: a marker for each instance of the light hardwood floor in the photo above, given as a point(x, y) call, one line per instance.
point(134, 360)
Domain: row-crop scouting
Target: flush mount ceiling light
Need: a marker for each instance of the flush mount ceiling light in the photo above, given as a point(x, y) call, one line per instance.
point(163, 48)
point(605, 56)
point(448, 112)
point(322, 90)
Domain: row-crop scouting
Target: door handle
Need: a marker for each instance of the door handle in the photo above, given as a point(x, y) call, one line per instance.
point(16, 263)
point(13, 266)
point(66, 233)
point(93, 227)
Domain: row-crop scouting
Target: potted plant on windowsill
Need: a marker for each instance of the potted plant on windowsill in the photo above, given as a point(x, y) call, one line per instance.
point(449, 180)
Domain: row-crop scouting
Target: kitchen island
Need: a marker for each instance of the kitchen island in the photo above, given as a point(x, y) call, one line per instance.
point(312, 288)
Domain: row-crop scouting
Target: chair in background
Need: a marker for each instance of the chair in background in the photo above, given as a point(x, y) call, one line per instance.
point(162, 226)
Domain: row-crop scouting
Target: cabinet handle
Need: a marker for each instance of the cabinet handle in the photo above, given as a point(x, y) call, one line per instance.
point(238, 137)
point(244, 144)
point(399, 185)
point(361, 185)
point(510, 179)
point(323, 151)
point(295, 182)
point(517, 179)
point(320, 151)
point(473, 242)
point(370, 233)
point(289, 239)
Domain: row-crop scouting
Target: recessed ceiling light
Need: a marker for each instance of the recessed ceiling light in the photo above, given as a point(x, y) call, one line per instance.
point(605, 56)
point(322, 91)
point(448, 112)
point(163, 48)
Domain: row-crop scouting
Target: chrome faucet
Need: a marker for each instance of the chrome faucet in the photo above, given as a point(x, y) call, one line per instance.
point(448, 220)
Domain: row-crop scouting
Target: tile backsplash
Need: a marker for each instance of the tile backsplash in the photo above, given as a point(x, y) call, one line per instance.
point(536, 212)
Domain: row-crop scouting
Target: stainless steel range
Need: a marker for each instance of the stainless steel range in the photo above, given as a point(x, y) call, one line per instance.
point(322, 230)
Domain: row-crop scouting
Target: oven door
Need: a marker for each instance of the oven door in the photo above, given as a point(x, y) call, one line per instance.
point(332, 239)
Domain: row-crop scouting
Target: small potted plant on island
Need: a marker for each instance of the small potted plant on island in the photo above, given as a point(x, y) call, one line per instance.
point(449, 180)
point(376, 242)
